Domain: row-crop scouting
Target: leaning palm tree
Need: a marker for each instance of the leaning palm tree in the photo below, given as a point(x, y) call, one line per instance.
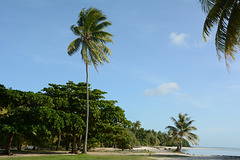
point(91, 43)
point(225, 14)
point(182, 129)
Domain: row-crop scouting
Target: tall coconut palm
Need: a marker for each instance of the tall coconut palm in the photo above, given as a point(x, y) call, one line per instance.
point(225, 14)
point(91, 42)
point(182, 129)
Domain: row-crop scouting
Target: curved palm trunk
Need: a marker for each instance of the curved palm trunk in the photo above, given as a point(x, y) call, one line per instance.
point(86, 135)
point(180, 149)
point(179, 146)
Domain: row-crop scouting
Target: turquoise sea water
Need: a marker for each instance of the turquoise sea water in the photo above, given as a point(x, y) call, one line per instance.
point(213, 151)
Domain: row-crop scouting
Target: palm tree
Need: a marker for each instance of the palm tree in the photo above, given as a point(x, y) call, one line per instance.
point(182, 129)
point(138, 125)
point(225, 14)
point(91, 41)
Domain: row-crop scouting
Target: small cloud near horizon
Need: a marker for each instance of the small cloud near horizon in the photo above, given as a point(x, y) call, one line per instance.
point(162, 90)
point(179, 39)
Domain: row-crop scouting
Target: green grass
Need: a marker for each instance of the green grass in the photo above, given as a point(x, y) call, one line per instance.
point(79, 157)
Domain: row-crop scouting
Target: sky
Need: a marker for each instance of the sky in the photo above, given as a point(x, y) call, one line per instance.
point(160, 65)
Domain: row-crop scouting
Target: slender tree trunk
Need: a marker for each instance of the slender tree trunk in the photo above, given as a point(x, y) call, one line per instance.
point(9, 143)
point(80, 143)
point(67, 145)
point(87, 117)
point(52, 142)
point(34, 139)
point(19, 145)
point(74, 144)
point(59, 141)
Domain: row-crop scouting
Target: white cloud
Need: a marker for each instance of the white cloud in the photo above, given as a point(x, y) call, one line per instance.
point(179, 39)
point(163, 89)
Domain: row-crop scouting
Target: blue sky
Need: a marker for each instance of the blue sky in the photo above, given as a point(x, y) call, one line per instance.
point(160, 65)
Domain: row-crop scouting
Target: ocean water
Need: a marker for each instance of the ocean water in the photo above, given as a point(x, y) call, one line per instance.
point(213, 151)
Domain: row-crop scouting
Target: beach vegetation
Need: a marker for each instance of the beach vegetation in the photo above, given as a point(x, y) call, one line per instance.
point(53, 119)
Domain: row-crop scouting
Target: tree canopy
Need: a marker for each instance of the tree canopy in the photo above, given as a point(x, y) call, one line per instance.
point(54, 118)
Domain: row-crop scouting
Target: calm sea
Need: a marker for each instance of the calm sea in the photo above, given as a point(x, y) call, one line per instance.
point(213, 151)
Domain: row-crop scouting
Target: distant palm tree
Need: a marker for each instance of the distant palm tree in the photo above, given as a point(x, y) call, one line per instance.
point(91, 41)
point(182, 129)
point(225, 14)
point(138, 125)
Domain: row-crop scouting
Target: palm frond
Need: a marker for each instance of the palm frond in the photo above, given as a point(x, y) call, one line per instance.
point(101, 26)
point(225, 14)
point(104, 40)
point(93, 15)
point(105, 49)
point(81, 17)
point(213, 17)
point(207, 5)
point(193, 138)
point(77, 30)
point(74, 46)
point(220, 37)
point(84, 53)
point(98, 19)
point(101, 53)
point(232, 33)
point(102, 34)
point(93, 54)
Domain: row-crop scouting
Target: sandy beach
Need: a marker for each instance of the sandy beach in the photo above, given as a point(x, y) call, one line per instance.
point(161, 153)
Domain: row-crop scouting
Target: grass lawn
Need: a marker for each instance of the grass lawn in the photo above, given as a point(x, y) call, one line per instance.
point(79, 157)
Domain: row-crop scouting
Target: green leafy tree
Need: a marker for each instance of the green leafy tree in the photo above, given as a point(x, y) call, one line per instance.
point(127, 140)
point(71, 99)
point(19, 118)
point(3, 98)
point(111, 123)
point(68, 113)
point(10, 122)
point(182, 129)
point(225, 14)
point(91, 40)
